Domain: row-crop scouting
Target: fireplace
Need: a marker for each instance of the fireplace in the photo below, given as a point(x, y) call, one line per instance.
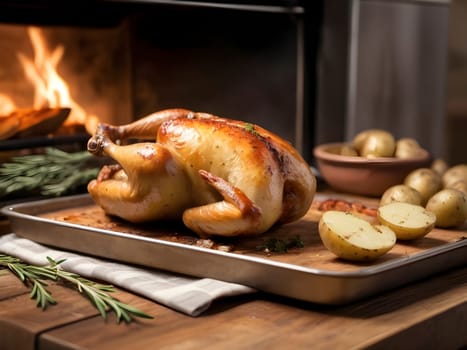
point(122, 60)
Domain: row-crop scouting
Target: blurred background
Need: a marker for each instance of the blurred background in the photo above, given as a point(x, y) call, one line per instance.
point(456, 87)
point(398, 65)
point(312, 71)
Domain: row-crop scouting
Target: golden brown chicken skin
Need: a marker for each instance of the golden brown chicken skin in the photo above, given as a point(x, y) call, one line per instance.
point(220, 176)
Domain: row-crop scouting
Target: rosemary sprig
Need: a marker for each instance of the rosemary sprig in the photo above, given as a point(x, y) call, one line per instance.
point(97, 293)
point(53, 173)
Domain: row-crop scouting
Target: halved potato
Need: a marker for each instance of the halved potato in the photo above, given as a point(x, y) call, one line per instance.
point(408, 221)
point(353, 238)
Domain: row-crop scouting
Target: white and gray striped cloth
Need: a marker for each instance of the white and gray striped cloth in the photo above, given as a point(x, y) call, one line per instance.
point(189, 295)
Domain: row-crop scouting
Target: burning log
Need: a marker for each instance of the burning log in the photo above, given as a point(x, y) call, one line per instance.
point(32, 122)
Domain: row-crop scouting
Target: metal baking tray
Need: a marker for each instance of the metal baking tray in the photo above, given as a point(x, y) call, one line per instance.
point(310, 273)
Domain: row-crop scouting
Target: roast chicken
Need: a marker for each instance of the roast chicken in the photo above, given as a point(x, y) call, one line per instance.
point(220, 176)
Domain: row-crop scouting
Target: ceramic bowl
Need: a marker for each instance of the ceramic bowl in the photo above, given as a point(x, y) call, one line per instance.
point(364, 176)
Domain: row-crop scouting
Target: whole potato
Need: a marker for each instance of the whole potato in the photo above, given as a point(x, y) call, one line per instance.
point(426, 181)
point(348, 150)
point(440, 166)
point(459, 185)
point(401, 193)
point(407, 148)
point(360, 138)
point(374, 143)
point(454, 174)
point(449, 206)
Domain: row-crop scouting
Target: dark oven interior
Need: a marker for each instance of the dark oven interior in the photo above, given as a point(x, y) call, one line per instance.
point(121, 60)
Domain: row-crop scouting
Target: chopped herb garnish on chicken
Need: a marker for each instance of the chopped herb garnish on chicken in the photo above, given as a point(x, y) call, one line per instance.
point(251, 128)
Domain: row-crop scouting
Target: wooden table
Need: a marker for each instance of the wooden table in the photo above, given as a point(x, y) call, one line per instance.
point(431, 314)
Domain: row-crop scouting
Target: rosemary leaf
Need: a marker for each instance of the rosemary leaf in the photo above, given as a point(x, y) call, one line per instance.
point(131, 309)
point(52, 262)
point(18, 271)
point(99, 303)
point(40, 271)
point(118, 311)
point(42, 296)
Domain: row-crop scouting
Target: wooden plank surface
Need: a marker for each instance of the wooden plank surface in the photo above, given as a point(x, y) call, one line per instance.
point(429, 314)
point(21, 320)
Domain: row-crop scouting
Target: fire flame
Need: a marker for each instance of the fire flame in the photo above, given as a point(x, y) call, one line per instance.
point(51, 90)
point(7, 105)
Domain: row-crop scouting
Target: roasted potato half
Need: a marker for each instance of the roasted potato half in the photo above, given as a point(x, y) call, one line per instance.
point(352, 238)
point(408, 221)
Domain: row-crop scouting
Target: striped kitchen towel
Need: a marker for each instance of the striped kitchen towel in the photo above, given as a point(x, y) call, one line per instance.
point(189, 295)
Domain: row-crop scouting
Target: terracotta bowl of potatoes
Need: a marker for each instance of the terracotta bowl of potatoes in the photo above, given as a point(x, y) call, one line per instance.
point(369, 164)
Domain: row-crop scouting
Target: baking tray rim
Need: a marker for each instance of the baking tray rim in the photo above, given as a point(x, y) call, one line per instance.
point(13, 211)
